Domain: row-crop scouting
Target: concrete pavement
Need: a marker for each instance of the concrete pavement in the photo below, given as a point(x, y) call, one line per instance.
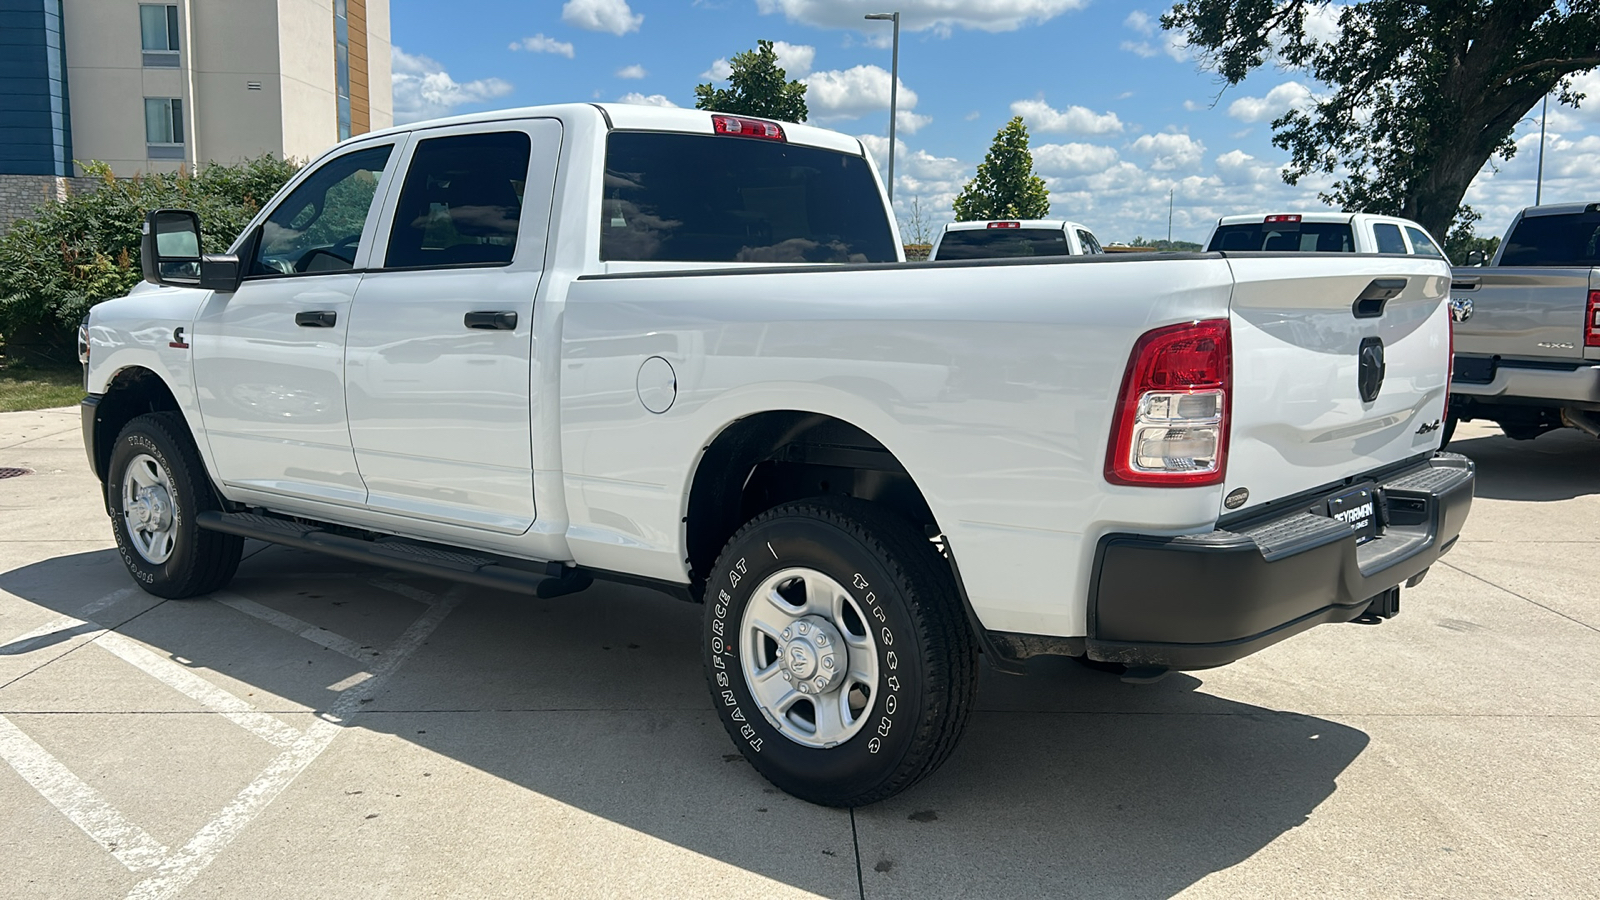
point(322, 729)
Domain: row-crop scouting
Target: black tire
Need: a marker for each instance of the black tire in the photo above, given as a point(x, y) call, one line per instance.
point(927, 657)
point(200, 561)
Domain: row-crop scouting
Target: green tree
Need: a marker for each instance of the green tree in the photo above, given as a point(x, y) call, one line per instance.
point(1423, 93)
point(1462, 240)
point(1005, 186)
point(758, 86)
point(71, 255)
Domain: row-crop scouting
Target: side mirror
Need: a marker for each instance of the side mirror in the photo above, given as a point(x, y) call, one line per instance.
point(1476, 258)
point(169, 253)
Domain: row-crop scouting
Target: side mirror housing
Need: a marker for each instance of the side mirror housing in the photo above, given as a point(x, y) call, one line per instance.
point(1476, 258)
point(169, 253)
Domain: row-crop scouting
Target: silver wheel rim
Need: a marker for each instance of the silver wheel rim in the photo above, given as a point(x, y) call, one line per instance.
point(147, 514)
point(809, 657)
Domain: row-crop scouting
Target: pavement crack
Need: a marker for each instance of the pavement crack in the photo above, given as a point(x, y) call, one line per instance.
point(855, 838)
point(1519, 596)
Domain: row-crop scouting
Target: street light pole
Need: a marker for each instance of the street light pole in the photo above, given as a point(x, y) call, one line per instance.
point(894, 88)
point(1538, 189)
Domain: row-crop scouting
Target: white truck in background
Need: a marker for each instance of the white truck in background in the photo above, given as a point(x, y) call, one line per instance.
point(533, 348)
point(1323, 232)
point(1013, 239)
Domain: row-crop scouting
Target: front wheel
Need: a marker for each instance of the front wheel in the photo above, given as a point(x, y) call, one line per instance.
point(837, 652)
point(155, 486)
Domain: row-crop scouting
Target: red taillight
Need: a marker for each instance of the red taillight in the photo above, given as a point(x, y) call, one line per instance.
point(1591, 324)
point(1171, 422)
point(740, 126)
point(1005, 224)
point(1271, 219)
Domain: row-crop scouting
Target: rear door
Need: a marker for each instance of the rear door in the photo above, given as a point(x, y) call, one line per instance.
point(438, 357)
point(1339, 368)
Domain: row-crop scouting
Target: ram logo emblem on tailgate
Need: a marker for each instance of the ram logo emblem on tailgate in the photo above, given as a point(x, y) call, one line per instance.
point(1460, 309)
point(1369, 378)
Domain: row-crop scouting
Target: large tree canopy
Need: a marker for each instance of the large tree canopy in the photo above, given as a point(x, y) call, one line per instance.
point(1005, 186)
point(758, 86)
point(1423, 93)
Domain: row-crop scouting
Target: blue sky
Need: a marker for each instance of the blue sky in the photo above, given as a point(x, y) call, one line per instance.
point(1120, 114)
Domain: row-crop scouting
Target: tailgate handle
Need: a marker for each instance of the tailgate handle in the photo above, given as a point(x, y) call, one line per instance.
point(491, 320)
point(1370, 304)
point(319, 318)
point(1467, 284)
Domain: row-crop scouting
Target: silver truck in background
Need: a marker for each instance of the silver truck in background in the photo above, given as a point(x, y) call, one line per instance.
point(1527, 326)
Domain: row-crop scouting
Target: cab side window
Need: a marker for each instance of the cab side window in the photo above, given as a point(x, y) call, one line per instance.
point(1090, 245)
point(317, 228)
point(1421, 243)
point(461, 202)
point(1389, 239)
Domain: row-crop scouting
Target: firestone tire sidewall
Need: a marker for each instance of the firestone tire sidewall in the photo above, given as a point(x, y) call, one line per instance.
point(874, 754)
point(166, 578)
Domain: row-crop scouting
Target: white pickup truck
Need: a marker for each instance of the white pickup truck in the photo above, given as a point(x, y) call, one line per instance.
point(1012, 238)
point(1323, 232)
point(533, 348)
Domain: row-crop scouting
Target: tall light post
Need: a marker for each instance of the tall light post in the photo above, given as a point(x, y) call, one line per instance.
point(1538, 189)
point(894, 88)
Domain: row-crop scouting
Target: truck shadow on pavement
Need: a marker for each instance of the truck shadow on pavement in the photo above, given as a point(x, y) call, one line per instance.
point(590, 719)
point(1559, 465)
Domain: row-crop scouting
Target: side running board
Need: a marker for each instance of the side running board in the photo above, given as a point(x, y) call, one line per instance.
point(470, 567)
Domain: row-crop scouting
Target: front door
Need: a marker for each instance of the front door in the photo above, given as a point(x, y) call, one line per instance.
point(441, 332)
point(269, 358)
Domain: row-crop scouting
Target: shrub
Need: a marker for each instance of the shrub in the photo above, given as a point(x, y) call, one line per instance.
point(74, 254)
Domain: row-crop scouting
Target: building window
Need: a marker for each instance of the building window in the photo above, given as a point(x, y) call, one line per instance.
point(341, 63)
point(158, 34)
point(163, 128)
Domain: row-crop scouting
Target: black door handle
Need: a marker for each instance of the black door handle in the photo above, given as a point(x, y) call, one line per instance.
point(1372, 300)
point(318, 318)
point(489, 320)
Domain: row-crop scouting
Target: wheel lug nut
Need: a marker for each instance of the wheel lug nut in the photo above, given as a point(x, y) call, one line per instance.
point(827, 662)
point(788, 634)
point(822, 639)
point(805, 688)
point(803, 628)
point(787, 676)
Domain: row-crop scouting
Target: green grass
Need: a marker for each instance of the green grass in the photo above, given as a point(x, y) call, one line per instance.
point(38, 387)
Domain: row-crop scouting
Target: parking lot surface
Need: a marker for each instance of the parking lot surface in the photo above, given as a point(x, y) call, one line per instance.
point(324, 729)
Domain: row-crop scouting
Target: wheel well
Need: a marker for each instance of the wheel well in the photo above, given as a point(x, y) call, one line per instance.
point(775, 457)
point(132, 392)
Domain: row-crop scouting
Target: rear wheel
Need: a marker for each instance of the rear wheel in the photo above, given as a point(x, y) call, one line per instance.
point(155, 487)
point(836, 650)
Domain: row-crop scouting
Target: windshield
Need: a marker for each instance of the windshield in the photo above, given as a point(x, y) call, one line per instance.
point(1003, 243)
point(1293, 237)
point(1568, 240)
point(703, 198)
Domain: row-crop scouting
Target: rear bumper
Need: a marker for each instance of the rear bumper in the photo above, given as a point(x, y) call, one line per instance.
point(1553, 382)
point(1197, 601)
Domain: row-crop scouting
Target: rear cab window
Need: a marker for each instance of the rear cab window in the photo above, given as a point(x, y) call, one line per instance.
point(672, 197)
point(1571, 239)
point(1003, 243)
point(1290, 237)
point(1421, 244)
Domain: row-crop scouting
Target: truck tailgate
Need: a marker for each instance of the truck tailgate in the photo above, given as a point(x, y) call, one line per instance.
point(1327, 385)
point(1523, 312)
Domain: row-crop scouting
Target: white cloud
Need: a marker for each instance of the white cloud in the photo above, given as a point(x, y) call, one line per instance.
point(1140, 48)
point(859, 91)
point(633, 71)
point(613, 16)
point(1279, 100)
point(637, 99)
point(1072, 120)
point(1168, 151)
point(1140, 21)
point(1072, 159)
point(719, 71)
point(919, 15)
point(794, 59)
point(973, 116)
point(424, 90)
point(1192, 106)
point(541, 44)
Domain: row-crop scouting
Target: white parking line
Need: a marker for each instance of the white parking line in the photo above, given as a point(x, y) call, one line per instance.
point(313, 633)
point(405, 590)
point(178, 870)
point(198, 689)
point(65, 623)
point(81, 804)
